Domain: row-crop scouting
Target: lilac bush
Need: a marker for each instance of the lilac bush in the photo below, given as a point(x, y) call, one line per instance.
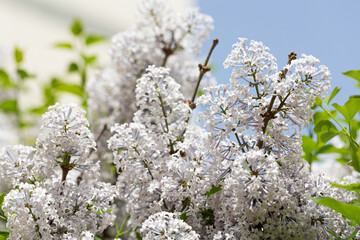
point(236, 174)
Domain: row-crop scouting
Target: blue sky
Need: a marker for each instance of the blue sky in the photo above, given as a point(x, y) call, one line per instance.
point(326, 29)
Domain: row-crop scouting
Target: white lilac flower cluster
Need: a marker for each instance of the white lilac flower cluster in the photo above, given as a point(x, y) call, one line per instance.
point(147, 149)
point(165, 225)
point(242, 177)
point(161, 37)
point(55, 192)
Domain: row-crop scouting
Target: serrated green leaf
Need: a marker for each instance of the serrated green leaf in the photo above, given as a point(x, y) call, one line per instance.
point(348, 211)
point(93, 39)
point(325, 130)
point(76, 27)
point(73, 67)
point(18, 55)
point(9, 105)
point(64, 45)
point(214, 189)
point(351, 187)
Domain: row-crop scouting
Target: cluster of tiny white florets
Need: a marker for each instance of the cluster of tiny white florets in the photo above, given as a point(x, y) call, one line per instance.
point(145, 148)
point(161, 37)
point(16, 163)
point(165, 225)
point(64, 136)
point(272, 106)
point(47, 201)
point(244, 178)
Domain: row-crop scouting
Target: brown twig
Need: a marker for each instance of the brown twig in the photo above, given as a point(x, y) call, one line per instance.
point(270, 114)
point(97, 139)
point(203, 68)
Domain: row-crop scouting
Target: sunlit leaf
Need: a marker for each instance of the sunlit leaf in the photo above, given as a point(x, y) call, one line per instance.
point(332, 95)
point(348, 211)
point(355, 74)
point(349, 110)
point(351, 187)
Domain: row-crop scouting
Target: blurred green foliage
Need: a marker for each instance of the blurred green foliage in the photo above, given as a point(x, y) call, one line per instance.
point(334, 120)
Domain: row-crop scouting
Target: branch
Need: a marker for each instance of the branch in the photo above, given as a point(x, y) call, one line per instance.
point(204, 68)
point(97, 139)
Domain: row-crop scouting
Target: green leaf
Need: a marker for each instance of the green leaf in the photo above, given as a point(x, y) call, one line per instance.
point(76, 27)
point(319, 116)
point(309, 146)
point(64, 45)
point(18, 55)
point(4, 234)
point(349, 211)
point(93, 39)
point(349, 110)
point(207, 215)
point(355, 74)
point(355, 156)
point(353, 235)
point(9, 105)
point(317, 102)
point(4, 78)
point(214, 189)
point(183, 216)
point(38, 110)
point(332, 95)
point(2, 196)
point(200, 93)
point(24, 75)
point(351, 187)
point(328, 148)
point(97, 238)
point(138, 236)
point(73, 67)
point(62, 86)
point(89, 59)
point(325, 130)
